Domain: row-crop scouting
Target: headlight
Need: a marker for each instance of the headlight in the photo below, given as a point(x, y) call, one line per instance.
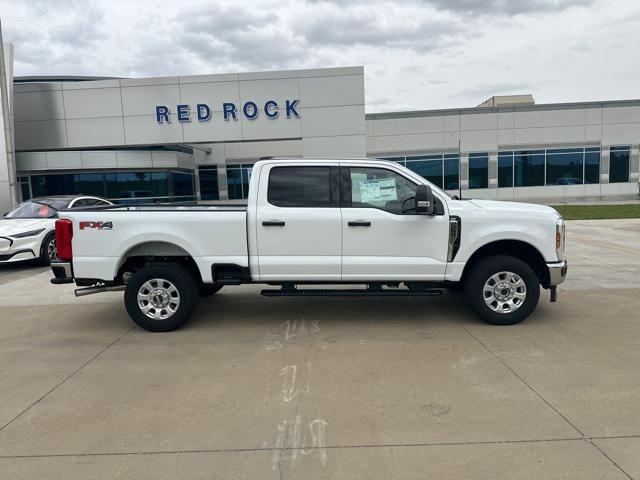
point(560, 234)
point(32, 233)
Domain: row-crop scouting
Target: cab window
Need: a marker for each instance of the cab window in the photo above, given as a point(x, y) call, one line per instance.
point(302, 187)
point(382, 189)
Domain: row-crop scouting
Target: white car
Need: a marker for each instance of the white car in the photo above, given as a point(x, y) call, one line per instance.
point(28, 231)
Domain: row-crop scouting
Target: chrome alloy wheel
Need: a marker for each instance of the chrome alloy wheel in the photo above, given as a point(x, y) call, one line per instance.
point(52, 252)
point(504, 292)
point(158, 299)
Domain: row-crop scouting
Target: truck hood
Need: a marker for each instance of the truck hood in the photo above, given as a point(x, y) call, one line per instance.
point(516, 207)
point(12, 226)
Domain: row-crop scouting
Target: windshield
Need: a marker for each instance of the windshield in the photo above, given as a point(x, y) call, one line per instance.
point(32, 209)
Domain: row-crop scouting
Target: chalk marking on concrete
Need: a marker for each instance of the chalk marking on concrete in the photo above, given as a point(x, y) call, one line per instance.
point(289, 390)
point(300, 445)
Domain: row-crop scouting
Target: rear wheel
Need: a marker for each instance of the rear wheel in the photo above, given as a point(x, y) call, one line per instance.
point(161, 297)
point(502, 290)
point(48, 251)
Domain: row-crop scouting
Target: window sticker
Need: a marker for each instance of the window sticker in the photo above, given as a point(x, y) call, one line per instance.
point(378, 190)
point(43, 211)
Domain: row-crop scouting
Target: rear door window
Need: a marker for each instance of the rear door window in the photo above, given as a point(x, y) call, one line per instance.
point(299, 186)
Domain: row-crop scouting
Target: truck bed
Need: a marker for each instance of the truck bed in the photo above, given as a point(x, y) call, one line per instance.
point(210, 234)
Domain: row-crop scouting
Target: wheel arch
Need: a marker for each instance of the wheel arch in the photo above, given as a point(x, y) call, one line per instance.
point(513, 248)
point(146, 252)
point(43, 243)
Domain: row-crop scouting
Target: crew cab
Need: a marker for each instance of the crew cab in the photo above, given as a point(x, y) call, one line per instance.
point(370, 226)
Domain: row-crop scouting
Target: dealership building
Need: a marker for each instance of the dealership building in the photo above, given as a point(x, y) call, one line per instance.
point(196, 137)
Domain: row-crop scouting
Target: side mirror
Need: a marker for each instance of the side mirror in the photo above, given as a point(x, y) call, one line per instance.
point(424, 200)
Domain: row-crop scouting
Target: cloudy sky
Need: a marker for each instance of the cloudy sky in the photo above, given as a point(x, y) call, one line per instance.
point(418, 54)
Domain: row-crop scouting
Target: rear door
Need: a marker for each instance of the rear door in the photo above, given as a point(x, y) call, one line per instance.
point(383, 238)
point(299, 225)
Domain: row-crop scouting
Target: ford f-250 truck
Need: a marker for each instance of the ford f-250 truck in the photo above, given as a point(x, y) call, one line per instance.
point(373, 227)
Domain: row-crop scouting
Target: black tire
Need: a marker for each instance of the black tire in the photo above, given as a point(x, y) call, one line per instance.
point(482, 271)
point(45, 259)
point(177, 281)
point(209, 289)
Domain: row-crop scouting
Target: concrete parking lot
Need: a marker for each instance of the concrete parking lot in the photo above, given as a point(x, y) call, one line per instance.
point(284, 388)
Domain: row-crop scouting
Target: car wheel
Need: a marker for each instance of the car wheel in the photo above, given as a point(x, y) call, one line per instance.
point(502, 290)
point(161, 297)
point(208, 289)
point(48, 251)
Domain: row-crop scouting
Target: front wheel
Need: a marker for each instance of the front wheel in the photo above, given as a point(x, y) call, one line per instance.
point(48, 251)
point(502, 290)
point(161, 297)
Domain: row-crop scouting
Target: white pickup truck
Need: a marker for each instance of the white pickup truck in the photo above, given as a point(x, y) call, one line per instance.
point(371, 227)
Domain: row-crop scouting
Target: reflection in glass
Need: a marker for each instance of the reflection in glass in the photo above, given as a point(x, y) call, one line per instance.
point(209, 183)
point(478, 170)
point(528, 168)
point(451, 171)
point(427, 166)
point(565, 166)
point(505, 169)
point(619, 164)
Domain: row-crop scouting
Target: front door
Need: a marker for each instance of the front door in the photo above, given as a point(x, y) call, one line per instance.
point(299, 227)
point(383, 238)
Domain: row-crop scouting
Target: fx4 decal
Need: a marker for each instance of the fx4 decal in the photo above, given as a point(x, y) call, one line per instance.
point(96, 225)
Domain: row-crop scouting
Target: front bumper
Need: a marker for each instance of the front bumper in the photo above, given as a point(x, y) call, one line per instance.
point(557, 272)
point(18, 249)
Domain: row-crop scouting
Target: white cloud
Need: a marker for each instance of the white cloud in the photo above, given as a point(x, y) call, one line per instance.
point(417, 53)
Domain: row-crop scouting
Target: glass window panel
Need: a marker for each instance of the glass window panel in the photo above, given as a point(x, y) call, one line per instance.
point(427, 166)
point(182, 186)
point(30, 209)
point(38, 185)
point(451, 172)
point(60, 184)
point(129, 185)
point(592, 165)
point(90, 183)
point(209, 183)
point(383, 189)
point(160, 184)
point(234, 183)
point(528, 169)
point(529, 152)
point(300, 187)
point(424, 157)
point(619, 164)
point(24, 187)
point(505, 169)
point(111, 186)
point(478, 170)
point(564, 167)
point(565, 150)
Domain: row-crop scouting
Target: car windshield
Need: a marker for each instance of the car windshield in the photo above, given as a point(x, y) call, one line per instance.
point(34, 209)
